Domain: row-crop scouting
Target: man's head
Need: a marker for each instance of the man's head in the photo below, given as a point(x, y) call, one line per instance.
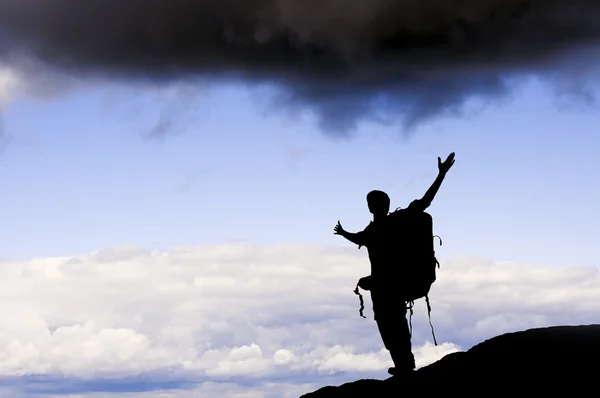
point(379, 203)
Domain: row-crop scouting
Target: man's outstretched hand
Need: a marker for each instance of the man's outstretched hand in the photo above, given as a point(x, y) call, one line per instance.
point(445, 166)
point(338, 230)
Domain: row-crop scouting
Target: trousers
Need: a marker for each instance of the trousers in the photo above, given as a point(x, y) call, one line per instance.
point(390, 315)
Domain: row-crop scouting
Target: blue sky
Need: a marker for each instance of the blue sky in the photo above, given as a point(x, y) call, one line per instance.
point(80, 175)
point(129, 265)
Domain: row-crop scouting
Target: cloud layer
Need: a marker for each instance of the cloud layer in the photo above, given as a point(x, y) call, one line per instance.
point(344, 60)
point(244, 317)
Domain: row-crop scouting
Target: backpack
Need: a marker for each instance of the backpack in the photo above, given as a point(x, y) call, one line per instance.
point(416, 260)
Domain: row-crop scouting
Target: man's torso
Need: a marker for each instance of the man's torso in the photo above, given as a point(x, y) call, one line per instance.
point(384, 243)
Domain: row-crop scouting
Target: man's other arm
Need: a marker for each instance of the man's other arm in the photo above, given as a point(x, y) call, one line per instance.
point(358, 238)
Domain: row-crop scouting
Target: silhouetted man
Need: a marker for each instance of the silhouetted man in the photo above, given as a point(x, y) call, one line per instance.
point(382, 242)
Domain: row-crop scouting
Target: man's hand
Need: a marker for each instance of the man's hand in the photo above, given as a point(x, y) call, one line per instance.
point(445, 166)
point(338, 230)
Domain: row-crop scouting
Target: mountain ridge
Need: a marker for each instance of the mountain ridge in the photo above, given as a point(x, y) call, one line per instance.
point(536, 361)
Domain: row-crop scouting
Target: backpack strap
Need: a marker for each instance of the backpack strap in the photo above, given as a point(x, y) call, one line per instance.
point(429, 316)
point(362, 303)
point(435, 259)
point(410, 305)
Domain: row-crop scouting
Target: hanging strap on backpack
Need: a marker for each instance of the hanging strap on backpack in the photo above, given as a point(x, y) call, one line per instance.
point(436, 260)
point(362, 303)
point(429, 316)
point(409, 307)
point(427, 296)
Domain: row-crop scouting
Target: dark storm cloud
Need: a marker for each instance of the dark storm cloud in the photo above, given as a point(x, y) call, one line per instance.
point(343, 59)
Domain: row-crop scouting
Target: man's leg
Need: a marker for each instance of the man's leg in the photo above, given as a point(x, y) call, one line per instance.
point(396, 339)
point(393, 327)
point(401, 352)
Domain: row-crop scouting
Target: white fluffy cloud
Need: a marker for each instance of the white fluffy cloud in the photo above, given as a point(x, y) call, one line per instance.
point(281, 318)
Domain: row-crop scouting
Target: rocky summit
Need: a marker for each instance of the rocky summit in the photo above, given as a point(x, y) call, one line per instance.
point(558, 360)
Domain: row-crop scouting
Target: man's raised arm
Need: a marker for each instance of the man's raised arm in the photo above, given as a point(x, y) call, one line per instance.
point(425, 201)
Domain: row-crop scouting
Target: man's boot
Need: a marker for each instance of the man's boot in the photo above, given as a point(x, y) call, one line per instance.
point(404, 365)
